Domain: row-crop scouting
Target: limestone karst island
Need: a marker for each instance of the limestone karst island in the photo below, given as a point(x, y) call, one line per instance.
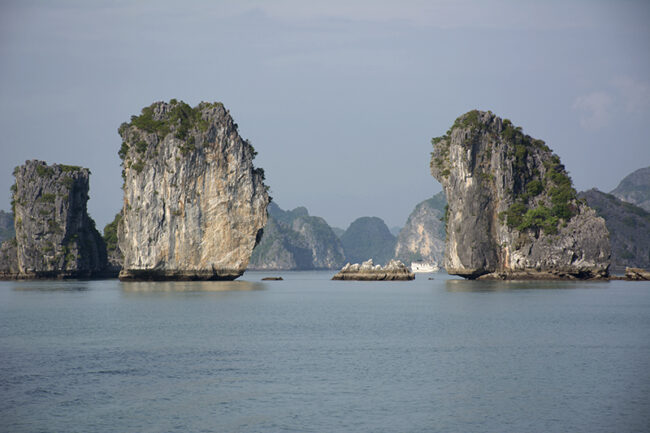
point(512, 210)
point(194, 204)
point(196, 208)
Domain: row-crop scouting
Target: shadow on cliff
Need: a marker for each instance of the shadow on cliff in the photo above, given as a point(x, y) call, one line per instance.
point(506, 286)
point(189, 286)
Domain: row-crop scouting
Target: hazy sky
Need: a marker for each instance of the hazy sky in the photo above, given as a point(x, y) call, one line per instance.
point(340, 98)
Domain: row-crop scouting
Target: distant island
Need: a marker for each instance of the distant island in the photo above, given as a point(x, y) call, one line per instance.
point(295, 240)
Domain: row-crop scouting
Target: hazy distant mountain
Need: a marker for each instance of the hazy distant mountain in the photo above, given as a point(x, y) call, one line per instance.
point(295, 240)
point(395, 230)
point(629, 229)
point(368, 237)
point(635, 188)
point(338, 231)
point(6, 226)
point(423, 236)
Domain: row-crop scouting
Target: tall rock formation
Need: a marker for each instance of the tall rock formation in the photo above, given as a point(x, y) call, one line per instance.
point(513, 212)
point(629, 229)
point(368, 238)
point(294, 240)
point(422, 239)
point(194, 205)
point(55, 237)
point(635, 188)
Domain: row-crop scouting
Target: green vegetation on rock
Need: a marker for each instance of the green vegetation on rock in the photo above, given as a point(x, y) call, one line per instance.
point(180, 117)
point(544, 202)
point(110, 233)
point(48, 198)
point(44, 170)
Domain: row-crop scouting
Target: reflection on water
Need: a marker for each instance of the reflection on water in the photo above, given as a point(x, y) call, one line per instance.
point(505, 285)
point(52, 286)
point(188, 286)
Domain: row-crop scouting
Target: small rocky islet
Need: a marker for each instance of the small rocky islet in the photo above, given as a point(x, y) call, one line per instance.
point(195, 208)
point(368, 271)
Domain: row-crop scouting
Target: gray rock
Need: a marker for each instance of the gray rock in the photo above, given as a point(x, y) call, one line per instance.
point(367, 271)
point(513, 212)
point(629, 229)
point(55, 237)
point(194, 204)
point(635, 188)
point(637, 274)
point(7, 230)
point(423, 237)
point(9, 259)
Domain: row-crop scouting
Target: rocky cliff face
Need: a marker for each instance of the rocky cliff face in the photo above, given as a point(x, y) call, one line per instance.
point(9, 260)
point(513, 212)
point(635, 188)
point(295, 240)
point(368, 238)
point(7, 230)
point(629, 229)
point(423, 236)
point(194, 204)
point(55, 237)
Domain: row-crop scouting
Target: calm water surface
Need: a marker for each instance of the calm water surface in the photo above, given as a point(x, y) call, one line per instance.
point(312, 355)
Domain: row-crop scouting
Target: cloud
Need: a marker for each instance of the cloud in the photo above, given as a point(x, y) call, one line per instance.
point(594, 110)
point(635, 94)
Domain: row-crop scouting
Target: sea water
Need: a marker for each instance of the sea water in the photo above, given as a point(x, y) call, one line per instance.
point(312, 355)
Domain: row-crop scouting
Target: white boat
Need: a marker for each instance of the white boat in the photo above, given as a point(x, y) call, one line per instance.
point(422, 267)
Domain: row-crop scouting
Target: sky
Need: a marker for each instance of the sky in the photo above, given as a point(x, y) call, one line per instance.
point(340, 98)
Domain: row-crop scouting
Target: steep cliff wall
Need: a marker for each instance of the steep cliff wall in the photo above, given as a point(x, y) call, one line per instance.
point(295, 240)
point(194, 205)
point(513, 212)
point(55, 237)
point(423, 236)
